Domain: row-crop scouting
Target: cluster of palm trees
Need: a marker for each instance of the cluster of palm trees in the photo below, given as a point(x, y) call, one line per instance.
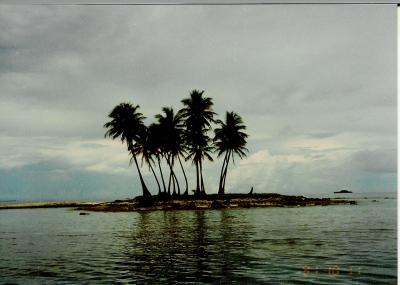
point(176, 136)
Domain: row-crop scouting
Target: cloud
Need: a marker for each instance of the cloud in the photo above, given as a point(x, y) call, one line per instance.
point(376, 160)
point(265, 172)
point(312, 93)
point(322, 135)
point(313, 144)
point(103, 156)
point(315, 172)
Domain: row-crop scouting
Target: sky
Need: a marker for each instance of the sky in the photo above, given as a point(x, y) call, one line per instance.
point(314, 84)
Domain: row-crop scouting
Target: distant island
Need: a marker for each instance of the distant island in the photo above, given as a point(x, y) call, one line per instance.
point(342, 191)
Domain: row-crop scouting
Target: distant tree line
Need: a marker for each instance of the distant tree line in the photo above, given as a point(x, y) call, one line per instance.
point(179, 135)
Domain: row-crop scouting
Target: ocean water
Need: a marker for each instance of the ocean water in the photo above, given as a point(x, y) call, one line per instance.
point(343, 244)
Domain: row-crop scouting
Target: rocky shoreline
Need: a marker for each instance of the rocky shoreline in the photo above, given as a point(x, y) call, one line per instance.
point(37, 205)
point(213, 201)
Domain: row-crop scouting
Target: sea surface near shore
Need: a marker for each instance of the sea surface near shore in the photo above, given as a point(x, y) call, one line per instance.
point(341, 244)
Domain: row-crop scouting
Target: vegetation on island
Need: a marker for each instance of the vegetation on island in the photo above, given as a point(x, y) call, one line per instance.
point(186, 134)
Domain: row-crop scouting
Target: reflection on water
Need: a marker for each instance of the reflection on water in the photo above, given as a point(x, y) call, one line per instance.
point(188, 247)
point(307, 245)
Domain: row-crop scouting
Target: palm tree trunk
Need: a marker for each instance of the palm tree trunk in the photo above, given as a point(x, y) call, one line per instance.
point(174, 178)
point(177, 185)
point(169, 184)
point(146, 192)
point(197, 178)
point(201, 176)
point(226, 171)
point(184, 175)
point(171, 176)
point(162, 176)
point(220, 190)
point(203, 190)
point(155, 176)
point(173, 184)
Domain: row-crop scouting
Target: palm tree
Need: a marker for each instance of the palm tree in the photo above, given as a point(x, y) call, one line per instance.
point(197, 153)
point(171, 137)
point(127, 123)
point(148, 151)
point(156, 148)
point(198, 116)
point(229, 139)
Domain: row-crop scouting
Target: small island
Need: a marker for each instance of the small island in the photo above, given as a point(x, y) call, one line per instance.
point(190, 202)
point(211, 201)
point(342, 191)
point(192, 134)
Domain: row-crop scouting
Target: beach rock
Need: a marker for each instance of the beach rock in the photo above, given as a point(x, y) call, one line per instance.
point(143, 202)
point(291, 241)
point(322, 202)
point(289, 201)
point(83, 214)
point(190, 206)
point(217, 205)
point(176, 206)
point(244, 204)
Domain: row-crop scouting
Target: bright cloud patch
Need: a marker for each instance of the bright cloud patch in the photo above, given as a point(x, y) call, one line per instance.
point(91, 155)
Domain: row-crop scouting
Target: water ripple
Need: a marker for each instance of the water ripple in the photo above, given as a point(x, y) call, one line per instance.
point(318, 245)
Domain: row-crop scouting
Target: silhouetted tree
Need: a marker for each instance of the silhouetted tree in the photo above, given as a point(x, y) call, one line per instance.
point(155, 133)
point(185, 134)
point(148, 150)
point(127, 123)
point(229, 139)
point(198, 116)
point(171, 137)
